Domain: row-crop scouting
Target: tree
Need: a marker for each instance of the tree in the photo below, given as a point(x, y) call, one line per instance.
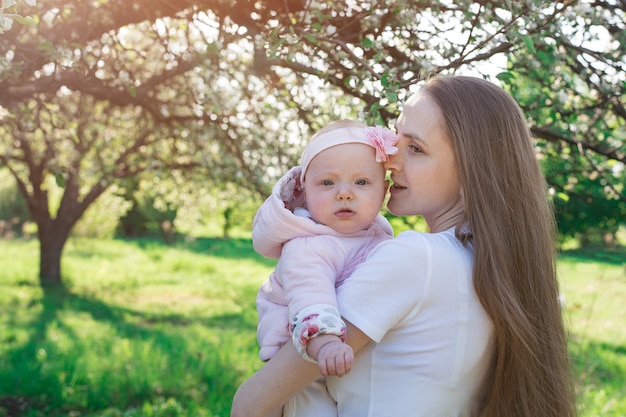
point(570, 81)
point(95, 92)
point(97, 113)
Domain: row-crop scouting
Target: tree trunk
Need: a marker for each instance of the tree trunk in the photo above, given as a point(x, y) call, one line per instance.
point(51, 247)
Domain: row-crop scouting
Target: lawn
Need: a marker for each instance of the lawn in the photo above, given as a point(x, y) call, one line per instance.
point(143, 329)
point(594, 285)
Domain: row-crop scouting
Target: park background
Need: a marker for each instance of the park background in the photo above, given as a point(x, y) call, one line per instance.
point(138, 137)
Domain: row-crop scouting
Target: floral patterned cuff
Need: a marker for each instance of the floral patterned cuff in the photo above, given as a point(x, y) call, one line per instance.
point(314, 321)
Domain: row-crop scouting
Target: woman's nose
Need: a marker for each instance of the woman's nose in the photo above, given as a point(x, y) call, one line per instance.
point(391, 163)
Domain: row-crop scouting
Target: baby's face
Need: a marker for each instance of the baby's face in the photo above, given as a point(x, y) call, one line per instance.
point(345, 187)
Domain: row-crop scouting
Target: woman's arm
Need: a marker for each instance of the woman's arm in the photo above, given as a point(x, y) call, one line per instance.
point(274, 384)
point(286, 374)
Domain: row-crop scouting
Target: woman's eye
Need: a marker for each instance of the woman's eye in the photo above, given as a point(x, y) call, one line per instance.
point(415, 149)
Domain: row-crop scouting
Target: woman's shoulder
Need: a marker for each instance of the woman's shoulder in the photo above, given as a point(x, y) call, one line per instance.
point(403, 245)
point(412, 241)
point(414, 235)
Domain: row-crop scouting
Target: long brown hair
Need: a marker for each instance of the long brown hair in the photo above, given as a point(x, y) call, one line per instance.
point(513, 232)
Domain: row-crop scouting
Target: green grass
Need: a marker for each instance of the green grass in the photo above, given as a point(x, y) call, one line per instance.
point(594, 283)
point(143, 329)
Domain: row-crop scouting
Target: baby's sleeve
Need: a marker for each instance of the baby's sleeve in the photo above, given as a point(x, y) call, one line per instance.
point(308, 270)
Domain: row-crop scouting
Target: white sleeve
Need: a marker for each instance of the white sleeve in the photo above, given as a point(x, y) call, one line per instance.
point(388, 286)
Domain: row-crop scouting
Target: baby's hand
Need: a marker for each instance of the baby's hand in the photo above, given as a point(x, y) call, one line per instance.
point(335, 358)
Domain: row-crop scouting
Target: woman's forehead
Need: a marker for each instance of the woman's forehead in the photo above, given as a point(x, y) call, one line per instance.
point(420, 111)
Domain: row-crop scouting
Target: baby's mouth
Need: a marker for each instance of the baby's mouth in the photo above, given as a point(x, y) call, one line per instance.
point(344, 212)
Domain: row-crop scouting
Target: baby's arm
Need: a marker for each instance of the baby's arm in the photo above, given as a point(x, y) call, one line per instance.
point(308, 271)
point(334, 357)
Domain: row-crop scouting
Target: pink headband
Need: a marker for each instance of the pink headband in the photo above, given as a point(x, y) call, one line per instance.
point(378, 137)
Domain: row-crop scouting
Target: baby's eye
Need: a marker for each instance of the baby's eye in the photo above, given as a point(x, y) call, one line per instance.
point(361, 182)
point(327, 182)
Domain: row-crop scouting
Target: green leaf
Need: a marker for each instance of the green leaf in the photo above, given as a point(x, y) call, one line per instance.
point(26, 21)
point(530, 45)
point(386, 80)
point(59, 179)
point(367, 43)
point(392, 96)
point(45, 46)
point(505, 76)
point(563, 196)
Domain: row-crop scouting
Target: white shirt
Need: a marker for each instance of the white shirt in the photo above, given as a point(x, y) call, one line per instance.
point(414, 297)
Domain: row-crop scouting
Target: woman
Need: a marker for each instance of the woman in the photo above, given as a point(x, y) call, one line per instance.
point(464, 320)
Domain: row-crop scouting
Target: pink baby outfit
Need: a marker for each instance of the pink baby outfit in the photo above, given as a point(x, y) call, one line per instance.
point(314, 259)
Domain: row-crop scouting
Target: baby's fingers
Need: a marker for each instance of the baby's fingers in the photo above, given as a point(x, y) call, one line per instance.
point(335, 359)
